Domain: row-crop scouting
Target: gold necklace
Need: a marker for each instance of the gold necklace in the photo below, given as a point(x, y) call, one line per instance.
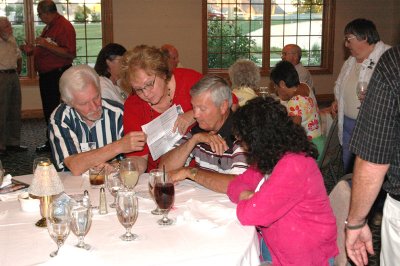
point(151, 105)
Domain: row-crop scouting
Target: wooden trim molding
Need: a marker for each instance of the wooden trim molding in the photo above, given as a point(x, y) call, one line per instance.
point(29, 114)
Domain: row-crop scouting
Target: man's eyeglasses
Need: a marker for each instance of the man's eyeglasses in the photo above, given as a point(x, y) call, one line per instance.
point(146, 87)
point(347, 38)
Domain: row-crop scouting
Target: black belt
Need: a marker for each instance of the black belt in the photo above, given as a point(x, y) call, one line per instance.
point(8, 71)
point(396, 197)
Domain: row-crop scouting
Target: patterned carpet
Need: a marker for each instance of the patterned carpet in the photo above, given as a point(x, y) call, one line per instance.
point(34, 134)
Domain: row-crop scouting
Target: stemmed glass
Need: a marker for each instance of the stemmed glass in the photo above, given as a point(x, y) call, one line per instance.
point(127, 212)
point(113, 182)
point(164, 194)
point(129, 173)
point(58, 219)
point(40, 161)
point(361, 90)
point(152, 180)
point(81, 220)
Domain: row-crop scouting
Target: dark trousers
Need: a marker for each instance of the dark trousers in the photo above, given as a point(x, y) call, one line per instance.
point(50, 91)
point(10, 110)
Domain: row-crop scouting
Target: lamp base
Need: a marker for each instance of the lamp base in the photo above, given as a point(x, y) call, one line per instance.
point(41, 223)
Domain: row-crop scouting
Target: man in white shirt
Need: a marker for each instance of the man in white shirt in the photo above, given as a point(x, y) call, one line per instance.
point(292, 54)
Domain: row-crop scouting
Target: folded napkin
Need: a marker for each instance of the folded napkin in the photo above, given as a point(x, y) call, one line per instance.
point(12, 195)
point(207, 215)
point(6, 181)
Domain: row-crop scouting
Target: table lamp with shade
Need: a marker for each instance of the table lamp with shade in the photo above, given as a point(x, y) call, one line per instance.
point(45, 184)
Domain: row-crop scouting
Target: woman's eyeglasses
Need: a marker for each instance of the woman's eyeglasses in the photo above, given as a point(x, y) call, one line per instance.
point(146, 87)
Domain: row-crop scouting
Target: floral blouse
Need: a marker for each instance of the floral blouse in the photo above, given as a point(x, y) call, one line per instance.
point(307, 108)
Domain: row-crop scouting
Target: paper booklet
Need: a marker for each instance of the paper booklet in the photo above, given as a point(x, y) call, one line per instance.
point(160, 137)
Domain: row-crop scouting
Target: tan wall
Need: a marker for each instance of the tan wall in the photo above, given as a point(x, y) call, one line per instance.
point(178, 22)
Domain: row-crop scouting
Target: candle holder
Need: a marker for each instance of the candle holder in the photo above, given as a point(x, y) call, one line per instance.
point(45, 184)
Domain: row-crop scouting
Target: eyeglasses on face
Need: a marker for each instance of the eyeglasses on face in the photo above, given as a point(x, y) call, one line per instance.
point(348, 38)
point(146, 87)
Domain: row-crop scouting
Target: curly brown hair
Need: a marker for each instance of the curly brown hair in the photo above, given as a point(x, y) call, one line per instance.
point(267, 133)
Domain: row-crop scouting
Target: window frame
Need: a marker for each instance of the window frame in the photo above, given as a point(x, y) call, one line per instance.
point(107, 30)
point(328, 31)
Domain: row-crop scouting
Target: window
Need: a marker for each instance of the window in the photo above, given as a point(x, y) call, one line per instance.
point(259, 29)
point(92, 20)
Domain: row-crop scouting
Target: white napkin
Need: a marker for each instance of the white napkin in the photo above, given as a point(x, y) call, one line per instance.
point(207, 215)
point(6, 181)
point(12, 195)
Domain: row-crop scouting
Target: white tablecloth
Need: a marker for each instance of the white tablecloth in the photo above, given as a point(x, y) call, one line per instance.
point(206, 232)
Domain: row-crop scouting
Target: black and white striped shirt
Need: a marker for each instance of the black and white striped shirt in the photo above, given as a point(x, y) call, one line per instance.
point(68, 130)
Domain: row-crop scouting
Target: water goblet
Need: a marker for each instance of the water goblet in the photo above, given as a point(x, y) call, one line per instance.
point(113, 182)
point(127, 212)
point(40, 161)
point(81, 219)
point(164, 194)
point(152, 180)
point(129, 173)
point(58, 219)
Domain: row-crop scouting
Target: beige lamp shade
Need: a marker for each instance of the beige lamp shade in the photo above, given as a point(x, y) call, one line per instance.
point(46, 181)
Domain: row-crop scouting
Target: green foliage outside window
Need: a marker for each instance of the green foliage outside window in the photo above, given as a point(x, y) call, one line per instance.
point(227, 43)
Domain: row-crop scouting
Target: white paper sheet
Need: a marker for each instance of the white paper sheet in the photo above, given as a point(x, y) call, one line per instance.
point(160, 137)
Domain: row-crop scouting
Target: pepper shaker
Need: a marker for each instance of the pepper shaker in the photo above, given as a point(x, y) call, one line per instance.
point(103, 202)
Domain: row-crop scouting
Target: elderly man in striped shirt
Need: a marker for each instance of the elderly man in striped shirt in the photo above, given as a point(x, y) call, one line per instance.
point(217, 155)
point(84, 118)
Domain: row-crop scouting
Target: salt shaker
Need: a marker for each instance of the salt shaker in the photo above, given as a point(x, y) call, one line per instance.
point(103, 202)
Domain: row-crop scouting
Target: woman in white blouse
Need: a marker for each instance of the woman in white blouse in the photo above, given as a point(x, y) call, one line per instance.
point(363, 41)
point(108, 67)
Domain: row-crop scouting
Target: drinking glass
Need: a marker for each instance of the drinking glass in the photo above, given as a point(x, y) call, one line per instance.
point(361, 90)
point(164, 194)
point(113, 182)
point(152, 180)
point(263, 92)
point(40, 161)
point(96, 176)
point(58, 219)
point(127, 212)
point(81, 219)
point(129, 173)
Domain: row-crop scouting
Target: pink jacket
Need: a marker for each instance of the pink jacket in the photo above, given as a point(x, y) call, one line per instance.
point(292, 209)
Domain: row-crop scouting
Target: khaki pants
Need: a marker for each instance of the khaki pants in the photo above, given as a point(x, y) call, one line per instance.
point(390, 254)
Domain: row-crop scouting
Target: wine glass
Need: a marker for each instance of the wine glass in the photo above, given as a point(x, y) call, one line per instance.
point(113, 182)
point(361, 90)
point(58, 219)
point(40, 161)
point(127, 212)
point(164, 194)
point(129, 173)
point(81, 219)
point(152, 180)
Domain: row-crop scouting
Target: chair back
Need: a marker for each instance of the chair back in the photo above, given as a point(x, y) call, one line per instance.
point(331, 162)
point(340, 202)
